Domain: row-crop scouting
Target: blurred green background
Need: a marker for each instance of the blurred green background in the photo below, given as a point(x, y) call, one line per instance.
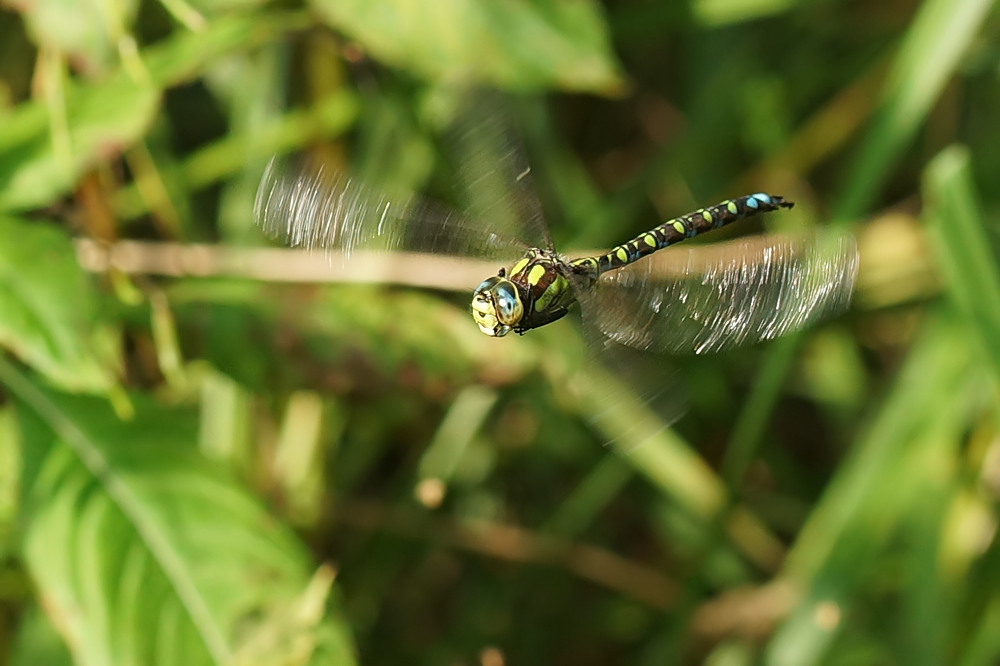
point(205, 458)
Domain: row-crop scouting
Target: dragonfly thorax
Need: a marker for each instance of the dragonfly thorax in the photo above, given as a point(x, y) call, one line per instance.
point(533, 293)
point(497, 306)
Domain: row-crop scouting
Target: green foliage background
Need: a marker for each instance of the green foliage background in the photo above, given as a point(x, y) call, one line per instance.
point(208, 468)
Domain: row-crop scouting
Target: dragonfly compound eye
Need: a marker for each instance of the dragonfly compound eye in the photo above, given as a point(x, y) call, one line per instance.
point(508, 303)
point(496, 306)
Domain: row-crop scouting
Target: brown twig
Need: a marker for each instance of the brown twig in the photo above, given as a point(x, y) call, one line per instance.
point(516, 544)
point(282, 265)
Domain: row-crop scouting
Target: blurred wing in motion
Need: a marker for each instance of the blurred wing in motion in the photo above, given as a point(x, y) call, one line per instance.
point(638, 393)
point(315, 208)
point(493, 174)
point(712, 297)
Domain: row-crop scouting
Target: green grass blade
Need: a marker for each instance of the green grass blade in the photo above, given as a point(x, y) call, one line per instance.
point(581, 507)
point(717, 13)
point(451, 442)
point(932, 49)
point(663, 457)
point(983, 648)
point(898, 459)
point(964, 249)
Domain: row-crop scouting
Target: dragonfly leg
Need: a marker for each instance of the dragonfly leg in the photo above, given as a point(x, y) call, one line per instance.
point(541, 319)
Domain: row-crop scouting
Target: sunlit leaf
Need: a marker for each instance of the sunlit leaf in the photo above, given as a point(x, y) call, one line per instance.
point(160, 557)
point(48, 314)
point(84, 30)
point(103, 119)
point(515, 44)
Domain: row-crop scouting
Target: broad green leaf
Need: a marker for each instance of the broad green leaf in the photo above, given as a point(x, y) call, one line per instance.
point(515, 44)
point(101, 121)
point(48, 315)
point(146, 553)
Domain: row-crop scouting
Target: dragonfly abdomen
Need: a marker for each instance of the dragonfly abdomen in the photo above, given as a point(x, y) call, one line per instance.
point(687, 226)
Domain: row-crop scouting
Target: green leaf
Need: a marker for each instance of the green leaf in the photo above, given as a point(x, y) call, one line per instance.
point(159, 557)
point(81, 29)
point(48, 316)
point(516, 44)
point(100, 121)
point(104, 119)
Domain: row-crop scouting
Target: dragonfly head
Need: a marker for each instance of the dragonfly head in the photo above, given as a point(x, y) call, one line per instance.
point(497, 306)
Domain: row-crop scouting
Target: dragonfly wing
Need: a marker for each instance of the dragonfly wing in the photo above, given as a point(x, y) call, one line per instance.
point(652, 383)
point(493, 171)
point(308, 206)
point(712, 297)
point(630, 379)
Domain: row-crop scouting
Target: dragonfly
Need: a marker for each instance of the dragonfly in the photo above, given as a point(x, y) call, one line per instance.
point(705, 299)
point(541, 286)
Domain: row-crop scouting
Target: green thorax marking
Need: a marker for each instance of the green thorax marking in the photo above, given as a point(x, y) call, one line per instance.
point(544, 289)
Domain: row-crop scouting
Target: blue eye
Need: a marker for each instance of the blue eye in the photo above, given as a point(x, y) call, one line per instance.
point(497, 298)
point(486, 284)
point(505, 298)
